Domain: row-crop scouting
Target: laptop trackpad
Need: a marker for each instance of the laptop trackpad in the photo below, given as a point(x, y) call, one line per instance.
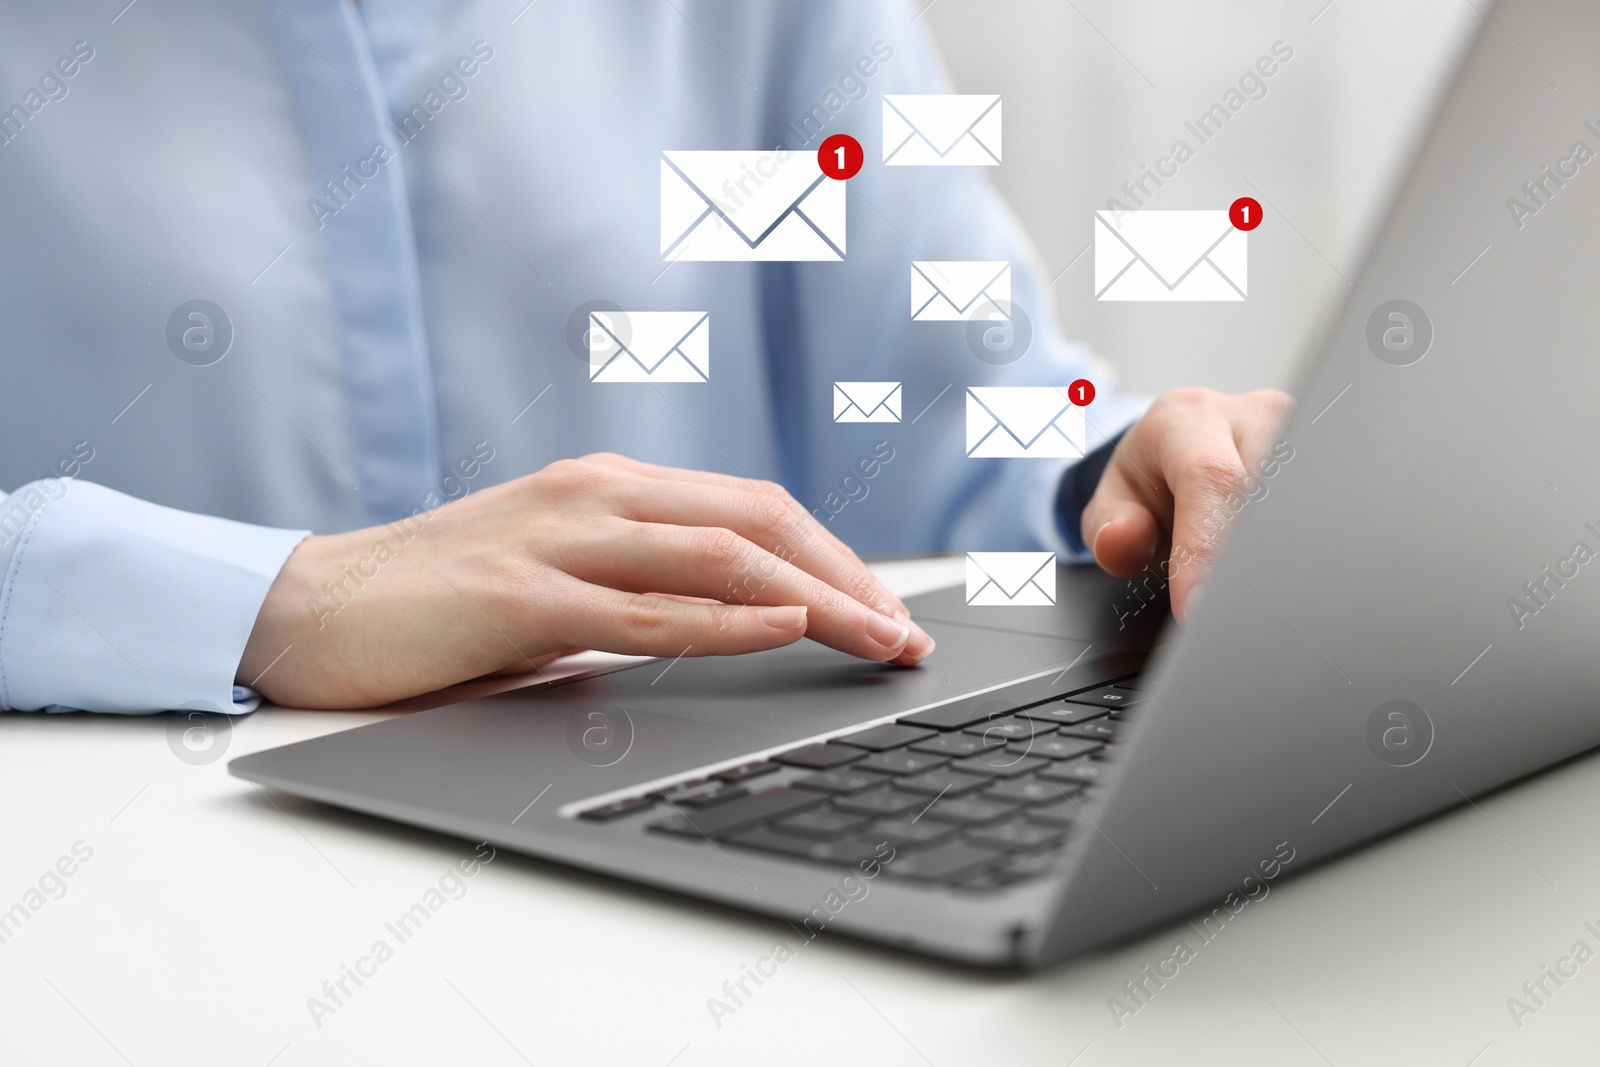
point(486, 758)
point(661, 718)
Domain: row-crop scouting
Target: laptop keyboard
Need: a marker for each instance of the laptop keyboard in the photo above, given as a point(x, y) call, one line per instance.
point(979, 794)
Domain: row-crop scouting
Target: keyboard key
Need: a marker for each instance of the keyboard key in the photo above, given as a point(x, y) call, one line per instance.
point(968, 810)
point(1107, 696)
point(1016, 836)
point(1020, 865)
point(1082, 772)
point(747, 771)
point(775, 841)
point(965, 712)
point(850, 852)
point(745, 811)
point(940, 863)
point(689, 789)
point(903, 833)
point(1135, 683)
point(1099, 730)
point(821, 823)
point(848, 780)
point(1061, 814)
point(715, 796)
point(953, 745)
point(1002, 762)
point(1063, 713)
point(1023, 791)
point(617, 809)
point(1062, 748)
point(1009, 728)
point(820, 757)
point(882, 802)
point(955, 715)
point(906, 762)
point(890, 735)
point(942, 782)
point(847, 852)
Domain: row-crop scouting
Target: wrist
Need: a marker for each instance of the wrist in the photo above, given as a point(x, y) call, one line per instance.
point(281, 619)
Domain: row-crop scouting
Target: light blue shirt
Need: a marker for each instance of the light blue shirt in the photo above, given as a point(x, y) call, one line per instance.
point(401, 210)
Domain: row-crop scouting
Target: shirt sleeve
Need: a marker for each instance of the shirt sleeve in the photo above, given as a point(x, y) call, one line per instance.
point(109, 603)
point(1077, 486)
point(854, 322)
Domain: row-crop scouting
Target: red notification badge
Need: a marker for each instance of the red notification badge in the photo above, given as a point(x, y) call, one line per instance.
point(1081, 392)
point(1245, 213)
point(841, 157)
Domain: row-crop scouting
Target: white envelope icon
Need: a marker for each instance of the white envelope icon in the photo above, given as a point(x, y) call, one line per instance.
point(749, 206)
point(1041, 422)
point(1168, 255)
point(1011, 579)
point(866, 401)
point(950, 290)
point(649, 346)
point(941, 131)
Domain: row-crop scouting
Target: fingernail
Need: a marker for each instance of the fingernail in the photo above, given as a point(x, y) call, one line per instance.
point(1094, 542)
point(918, 647)
point(785, 618)
point(891, 635)
point(1193, 600)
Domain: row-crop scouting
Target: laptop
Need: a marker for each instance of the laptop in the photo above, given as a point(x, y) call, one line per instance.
point(1404, 617)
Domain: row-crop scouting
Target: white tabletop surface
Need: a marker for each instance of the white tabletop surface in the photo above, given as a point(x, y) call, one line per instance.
point(207, 914)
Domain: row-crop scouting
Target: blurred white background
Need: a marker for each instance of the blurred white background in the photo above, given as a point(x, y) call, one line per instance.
point(1095, 89)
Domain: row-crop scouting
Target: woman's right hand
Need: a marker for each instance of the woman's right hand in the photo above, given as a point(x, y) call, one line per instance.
point(601, 552)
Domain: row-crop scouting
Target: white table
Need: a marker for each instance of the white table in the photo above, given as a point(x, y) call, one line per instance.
point(208, 914)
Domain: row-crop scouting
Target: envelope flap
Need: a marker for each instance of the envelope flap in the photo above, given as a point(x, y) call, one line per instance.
point(960, 281)
point(867, 395)
point(1011, 570)
point(1026, 412)
point(650, 337)
point(763, 198)
point(942, 120)
point(1171, 242)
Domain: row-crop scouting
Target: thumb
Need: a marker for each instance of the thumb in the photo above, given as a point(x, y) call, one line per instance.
point(1205, 491)
point(1118, 527)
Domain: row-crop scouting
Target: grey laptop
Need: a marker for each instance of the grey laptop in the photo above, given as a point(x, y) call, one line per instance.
point(1405, 619)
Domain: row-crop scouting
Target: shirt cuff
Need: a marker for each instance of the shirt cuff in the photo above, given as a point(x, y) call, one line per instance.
point(1075, 489)
point(1055, 501)
point(109, 603)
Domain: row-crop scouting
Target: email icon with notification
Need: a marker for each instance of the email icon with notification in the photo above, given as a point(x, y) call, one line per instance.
point(749, 206)
point(941, 131)
point(649, 346)
point(866, 401)
point(950, 291)
point(1011, 579)
point(1029, 422)
point(1169, 255)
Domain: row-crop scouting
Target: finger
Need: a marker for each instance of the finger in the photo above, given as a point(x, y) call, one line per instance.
point(907, 657)
point(706, 561)
point(763, 520)
point(1118, 525)
point(805, 532)
point(1258, 417)
point(806, 529)
point(635, 624)
point(1203, 467)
